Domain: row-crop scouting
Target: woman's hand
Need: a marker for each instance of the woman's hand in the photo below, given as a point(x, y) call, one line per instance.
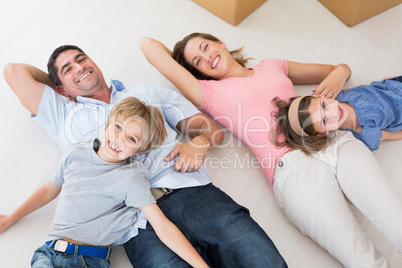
point(334, 82)
point(331, 78)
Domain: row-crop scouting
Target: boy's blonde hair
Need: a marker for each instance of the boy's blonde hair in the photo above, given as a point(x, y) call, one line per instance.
point(153, 125)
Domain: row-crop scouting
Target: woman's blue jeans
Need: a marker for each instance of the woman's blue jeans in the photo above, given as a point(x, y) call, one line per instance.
point(221, 231)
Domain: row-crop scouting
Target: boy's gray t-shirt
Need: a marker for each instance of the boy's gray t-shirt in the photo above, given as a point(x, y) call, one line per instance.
point(99, 201)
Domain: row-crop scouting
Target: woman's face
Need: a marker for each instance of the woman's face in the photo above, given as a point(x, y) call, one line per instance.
point(208, 57)
point(327, 115)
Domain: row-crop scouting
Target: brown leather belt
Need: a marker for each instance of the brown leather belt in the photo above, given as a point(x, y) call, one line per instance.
point(159, 192)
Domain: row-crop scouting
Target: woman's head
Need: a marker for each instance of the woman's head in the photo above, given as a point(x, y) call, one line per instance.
point(296, 121)
point(205, 56)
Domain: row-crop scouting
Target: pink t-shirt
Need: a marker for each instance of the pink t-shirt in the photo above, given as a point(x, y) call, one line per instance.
point(244, 106)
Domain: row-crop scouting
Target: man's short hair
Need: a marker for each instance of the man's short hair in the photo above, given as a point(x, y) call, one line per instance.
point(52, 70)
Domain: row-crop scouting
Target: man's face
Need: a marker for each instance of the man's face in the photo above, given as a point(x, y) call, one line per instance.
point(78, 74)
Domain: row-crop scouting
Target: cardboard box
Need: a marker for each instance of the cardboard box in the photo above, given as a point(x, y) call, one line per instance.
point(352, 12)
point(232, 11)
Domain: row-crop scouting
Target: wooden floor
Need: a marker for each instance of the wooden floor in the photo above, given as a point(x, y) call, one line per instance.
point(109, 31)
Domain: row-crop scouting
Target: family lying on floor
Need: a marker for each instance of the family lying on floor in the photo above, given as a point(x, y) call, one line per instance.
point(154, 197)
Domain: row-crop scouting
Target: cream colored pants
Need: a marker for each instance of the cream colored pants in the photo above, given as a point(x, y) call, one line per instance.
point(313, 194)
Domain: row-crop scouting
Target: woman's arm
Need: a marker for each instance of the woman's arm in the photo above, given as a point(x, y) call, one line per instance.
point(28, 83)
point(171, 236)
point(391, 135)
point(38, 199)
point(160, 57)
point(331, 78)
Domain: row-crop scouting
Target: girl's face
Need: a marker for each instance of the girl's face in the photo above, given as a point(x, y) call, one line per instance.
point(327, 115)
point(120, 140)
point(208, 57)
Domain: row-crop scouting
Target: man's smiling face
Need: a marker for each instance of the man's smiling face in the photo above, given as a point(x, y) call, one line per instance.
point(78, 74)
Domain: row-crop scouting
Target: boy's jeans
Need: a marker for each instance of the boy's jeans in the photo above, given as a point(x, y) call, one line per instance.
point(47, 257)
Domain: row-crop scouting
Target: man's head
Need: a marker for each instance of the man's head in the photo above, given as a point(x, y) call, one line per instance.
point(51, 68)
point(74, 73)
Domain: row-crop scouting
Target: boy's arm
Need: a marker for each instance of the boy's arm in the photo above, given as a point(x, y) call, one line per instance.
point(391, 135)
point(171, 236)
point(206, 133)
point(38, 199)
point(28, 83)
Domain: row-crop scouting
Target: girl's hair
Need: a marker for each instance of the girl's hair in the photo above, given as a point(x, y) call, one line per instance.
point(307, 144)
point(153, 124)
point(178, 54)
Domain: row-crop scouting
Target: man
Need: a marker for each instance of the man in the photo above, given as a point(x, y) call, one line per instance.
point(221, 231)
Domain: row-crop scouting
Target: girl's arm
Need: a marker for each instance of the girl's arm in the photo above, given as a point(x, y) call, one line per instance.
point(160, 57)
point(171, 236)
point(391, 135)
point(331, 78)
point(38, 199)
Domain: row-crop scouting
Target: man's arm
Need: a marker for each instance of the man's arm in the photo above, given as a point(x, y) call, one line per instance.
point(207, 135)
point(28, 83)
point(38, 199)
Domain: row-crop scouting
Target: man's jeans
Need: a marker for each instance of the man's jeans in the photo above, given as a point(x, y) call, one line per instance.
point(221, 231)
point(45, 257)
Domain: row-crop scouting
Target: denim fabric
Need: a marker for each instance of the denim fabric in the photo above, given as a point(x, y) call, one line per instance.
point(46, 257)
point(398, 78)
point(221, 231)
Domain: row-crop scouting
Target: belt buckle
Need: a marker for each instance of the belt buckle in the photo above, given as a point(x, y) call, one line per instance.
point(166, 191)
point(61, 245)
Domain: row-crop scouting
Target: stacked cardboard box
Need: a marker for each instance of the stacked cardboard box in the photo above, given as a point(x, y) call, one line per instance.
point(232, 11)
point(352, 12)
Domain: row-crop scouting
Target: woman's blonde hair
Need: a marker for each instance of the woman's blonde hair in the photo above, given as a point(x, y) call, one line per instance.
point(178, 54)
point(153, 125)
point(307, 144)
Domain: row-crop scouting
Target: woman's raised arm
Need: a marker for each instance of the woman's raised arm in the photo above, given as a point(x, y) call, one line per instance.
point(160, 57)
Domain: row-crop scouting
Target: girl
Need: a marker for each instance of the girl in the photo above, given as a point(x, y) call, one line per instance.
point(371, 112)
point(311, 191)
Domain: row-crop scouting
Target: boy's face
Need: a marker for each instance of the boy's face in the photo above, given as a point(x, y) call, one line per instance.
point(327, 115)
point(121, 139)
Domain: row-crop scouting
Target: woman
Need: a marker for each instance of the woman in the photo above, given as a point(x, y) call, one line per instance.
point(310, 190)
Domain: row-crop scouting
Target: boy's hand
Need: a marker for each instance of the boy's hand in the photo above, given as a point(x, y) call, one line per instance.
point(4, 223)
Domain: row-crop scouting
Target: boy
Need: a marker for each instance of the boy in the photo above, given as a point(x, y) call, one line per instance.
point(103, 191)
